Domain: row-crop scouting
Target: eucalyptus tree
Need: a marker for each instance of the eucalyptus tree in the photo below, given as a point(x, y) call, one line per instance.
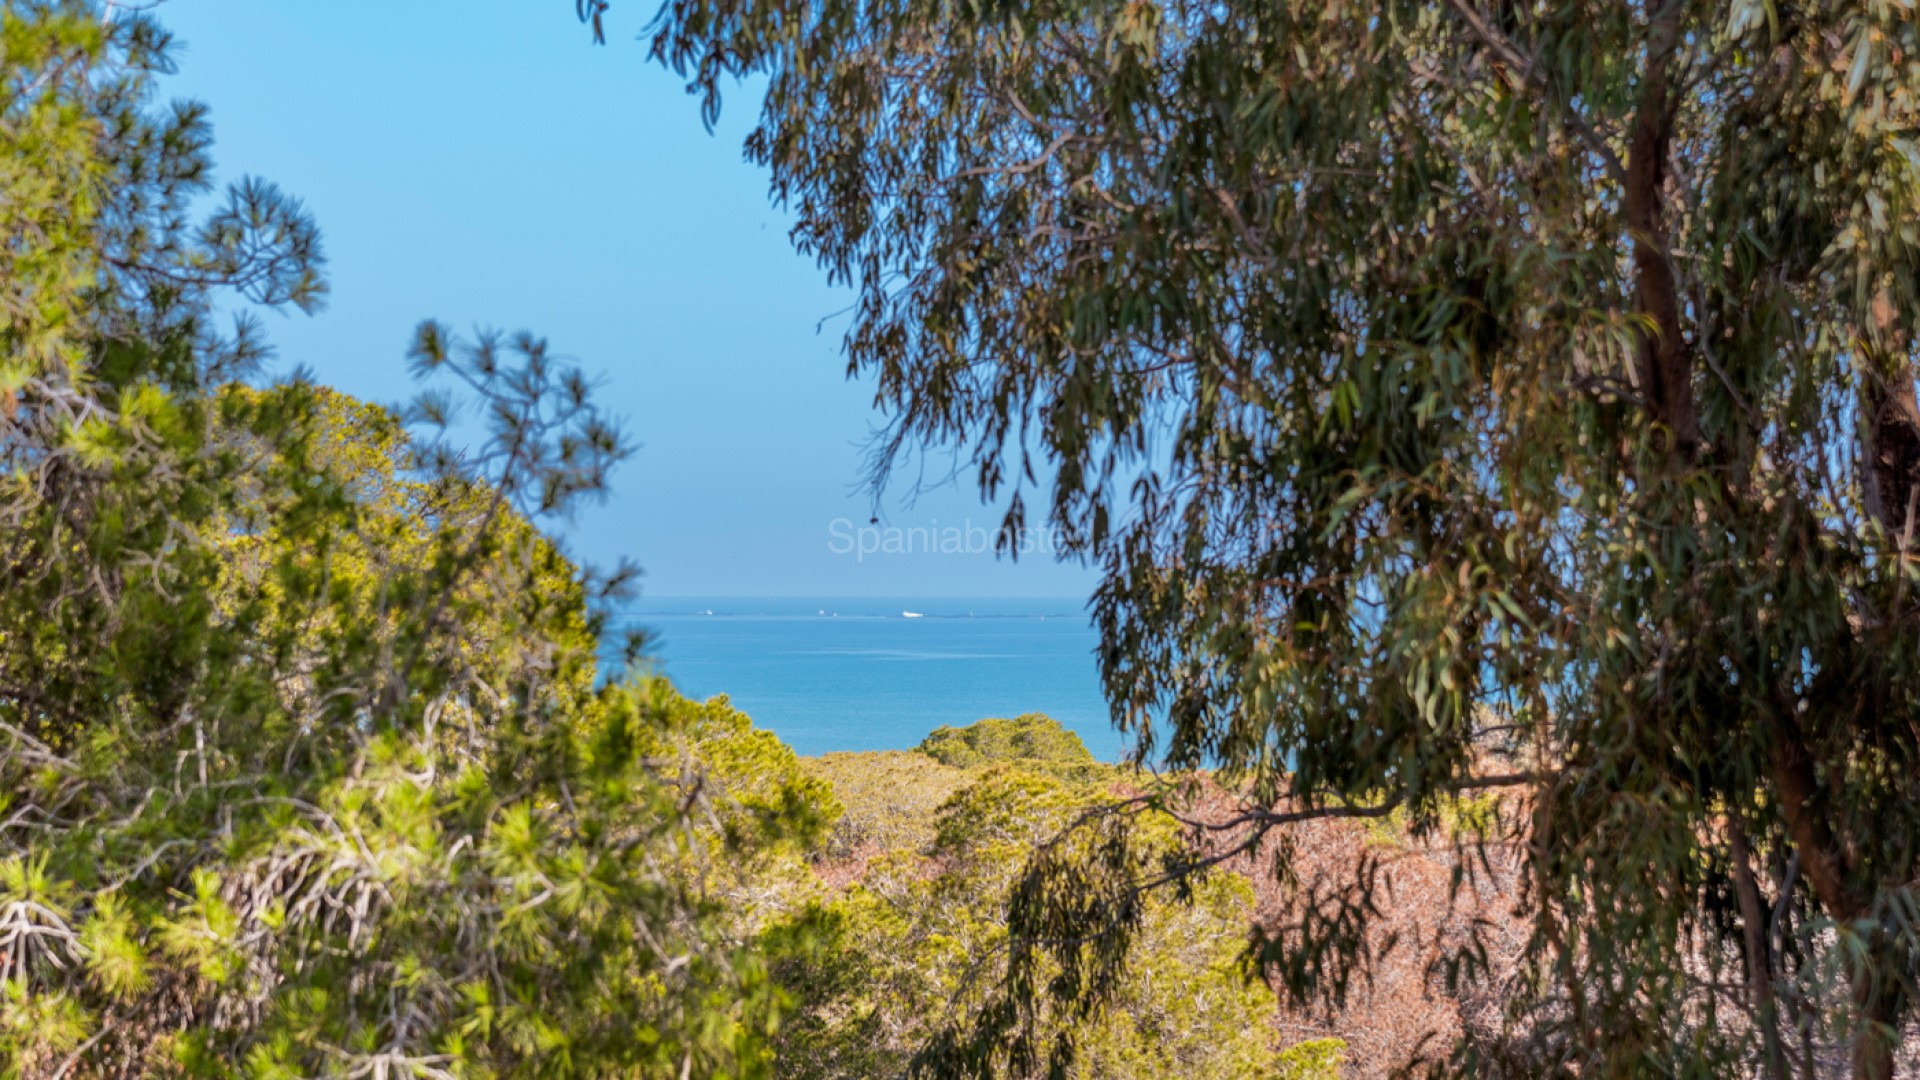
point(1454, 396)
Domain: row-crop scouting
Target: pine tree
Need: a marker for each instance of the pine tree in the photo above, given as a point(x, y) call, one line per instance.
point(306, 767)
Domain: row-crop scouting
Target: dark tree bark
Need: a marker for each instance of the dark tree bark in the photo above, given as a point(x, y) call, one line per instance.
point(1665, 362)
point(1891, 465)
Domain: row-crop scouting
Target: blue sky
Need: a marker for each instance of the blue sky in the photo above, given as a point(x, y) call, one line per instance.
point(482, 163)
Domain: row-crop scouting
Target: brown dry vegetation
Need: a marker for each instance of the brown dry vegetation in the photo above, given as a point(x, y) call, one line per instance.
point(1399, 1007)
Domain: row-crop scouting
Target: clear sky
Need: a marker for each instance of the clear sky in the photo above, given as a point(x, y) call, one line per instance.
point(483, 163)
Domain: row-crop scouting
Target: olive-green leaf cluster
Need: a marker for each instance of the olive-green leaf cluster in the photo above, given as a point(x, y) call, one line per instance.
point(1455, 395)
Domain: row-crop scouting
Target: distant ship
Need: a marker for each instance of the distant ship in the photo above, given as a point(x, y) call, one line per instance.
point(911, 615)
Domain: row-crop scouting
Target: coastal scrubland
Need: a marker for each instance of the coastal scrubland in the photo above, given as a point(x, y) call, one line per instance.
point(1494, 427)
point(911, 881)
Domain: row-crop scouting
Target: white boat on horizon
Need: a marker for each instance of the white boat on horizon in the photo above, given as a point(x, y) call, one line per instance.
point(911, 615)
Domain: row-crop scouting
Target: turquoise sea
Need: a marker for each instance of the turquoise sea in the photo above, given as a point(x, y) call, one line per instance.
point(833, 673)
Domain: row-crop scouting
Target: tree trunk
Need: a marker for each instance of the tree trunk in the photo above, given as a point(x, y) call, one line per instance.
point(1665, 368)
point(1890, 472)
point(1890, 486)
point(1753, 924)
point(1877, 1014)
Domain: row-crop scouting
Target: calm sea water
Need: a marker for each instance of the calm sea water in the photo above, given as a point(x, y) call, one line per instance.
point(831, 674)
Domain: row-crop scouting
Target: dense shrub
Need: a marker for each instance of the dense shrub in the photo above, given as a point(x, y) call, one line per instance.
point(1035, 741)
point(306, 764)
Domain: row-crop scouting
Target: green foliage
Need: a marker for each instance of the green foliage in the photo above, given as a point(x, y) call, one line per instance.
point(1315, 1059)
point(1033, 740)
point(891, 798)
point(1454, 395)
point(918, 937)
point(304, 769)
point(771, 798)
point(1464, 819)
